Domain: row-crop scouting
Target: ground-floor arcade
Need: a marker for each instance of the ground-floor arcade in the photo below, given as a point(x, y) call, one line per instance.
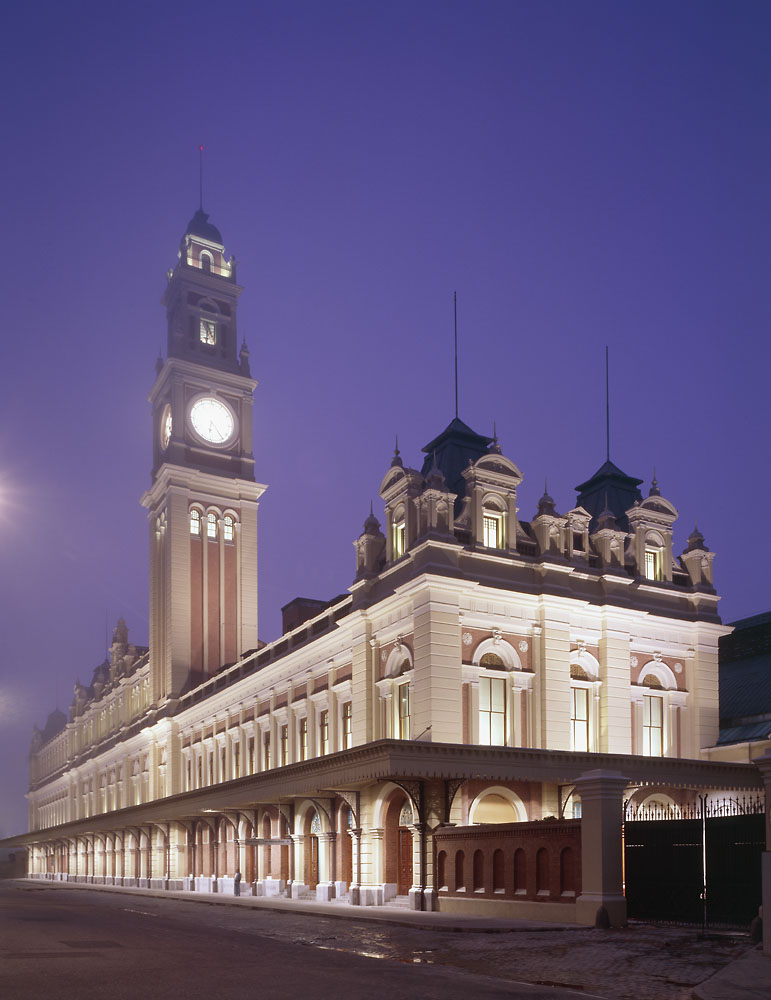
point(497, 831)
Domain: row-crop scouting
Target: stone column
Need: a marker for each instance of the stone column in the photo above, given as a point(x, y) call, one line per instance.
point(355, 887)
point(325, 890)
point(764, 766)
point(298, 887)
point(602, 795)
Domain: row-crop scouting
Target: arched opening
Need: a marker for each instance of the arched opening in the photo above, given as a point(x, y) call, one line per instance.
point(460, 875)
point(284, 870)
point(441, 870)
point(497, 805)
point(312, 828)
point(542, 872)
point(498, 871)
point(478, 871)
point(267, 870)
point(567, 872)
point(345, 823)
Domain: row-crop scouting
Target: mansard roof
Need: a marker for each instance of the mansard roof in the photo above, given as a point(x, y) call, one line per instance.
point(199, 225)
point(452, 450)
point(609, 482)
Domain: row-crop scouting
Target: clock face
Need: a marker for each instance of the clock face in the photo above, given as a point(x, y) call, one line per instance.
point(212, 420)
point(165, 427)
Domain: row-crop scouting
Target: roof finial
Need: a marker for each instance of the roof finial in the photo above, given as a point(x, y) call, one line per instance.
point(655, 491)
point(495, 447)
point(396, 460)
point(455, 313)
point(200, 178)
point(371, 509)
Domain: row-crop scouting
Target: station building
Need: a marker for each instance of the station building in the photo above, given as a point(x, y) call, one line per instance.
point(460, 730)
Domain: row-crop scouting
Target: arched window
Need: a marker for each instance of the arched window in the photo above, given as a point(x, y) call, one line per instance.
point(460, 881)
point(441, 874)
point(479, 871)
point(211, 525)
point(653, 562)
point(206, 260)
point(492, 661)
point(542, 872)
point(227, 528)
point(195, 522)
point(498, 871)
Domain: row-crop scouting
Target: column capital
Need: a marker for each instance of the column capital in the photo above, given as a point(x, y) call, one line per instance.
point(601, 784)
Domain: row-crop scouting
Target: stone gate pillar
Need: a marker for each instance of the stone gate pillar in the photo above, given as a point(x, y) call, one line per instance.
point(602, 814)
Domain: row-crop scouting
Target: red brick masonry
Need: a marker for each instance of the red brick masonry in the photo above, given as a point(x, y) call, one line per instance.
point(538, 861)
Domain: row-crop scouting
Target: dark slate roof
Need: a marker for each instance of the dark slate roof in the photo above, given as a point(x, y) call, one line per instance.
point(55, 722)
point(744, 734)
point(199, 225)
point(745, 688)
point(454, 447)
point(620, 490)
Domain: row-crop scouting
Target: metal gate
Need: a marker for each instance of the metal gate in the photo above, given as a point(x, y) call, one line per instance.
point(697, 864)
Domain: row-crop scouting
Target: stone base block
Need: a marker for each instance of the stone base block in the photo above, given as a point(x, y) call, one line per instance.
point(390, 891)
point(205, 883)
point(341, 889)
point(269, 887)
point(325, 891)
point(299, 890)
point(588, 905)
point(158, 883)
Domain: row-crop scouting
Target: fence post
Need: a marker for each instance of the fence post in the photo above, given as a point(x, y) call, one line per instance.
point(602, 815)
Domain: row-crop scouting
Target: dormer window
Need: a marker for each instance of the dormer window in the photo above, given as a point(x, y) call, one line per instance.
point(208, 331)
point(195, 522)
point(491, 529)
point(653, 563)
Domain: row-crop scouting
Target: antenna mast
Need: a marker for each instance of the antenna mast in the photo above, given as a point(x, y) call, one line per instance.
point(607, 408)
point(455, 311)
point(200, 177)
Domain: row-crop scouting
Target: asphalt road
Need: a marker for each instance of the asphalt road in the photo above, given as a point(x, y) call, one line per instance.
point(60, 944)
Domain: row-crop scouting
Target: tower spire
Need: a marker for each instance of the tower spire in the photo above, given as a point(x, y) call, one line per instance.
point(607, 407)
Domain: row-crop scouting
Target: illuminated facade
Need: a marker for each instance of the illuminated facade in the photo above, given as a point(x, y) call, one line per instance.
point(482, 669)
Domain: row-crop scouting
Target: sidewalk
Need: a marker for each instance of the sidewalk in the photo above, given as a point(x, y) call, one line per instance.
point(746, 978)
point(398, 915)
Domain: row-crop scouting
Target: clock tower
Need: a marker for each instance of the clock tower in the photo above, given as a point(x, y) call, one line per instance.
point(202, 505)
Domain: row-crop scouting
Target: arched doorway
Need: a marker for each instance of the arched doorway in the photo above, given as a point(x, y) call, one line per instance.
point(345, 858)
point(312, 827)
point(398, 843)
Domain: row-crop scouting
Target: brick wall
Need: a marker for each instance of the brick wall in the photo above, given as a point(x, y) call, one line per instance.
point(538, 861)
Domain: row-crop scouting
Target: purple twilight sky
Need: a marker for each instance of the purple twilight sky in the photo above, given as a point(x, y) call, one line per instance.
point(582, 173)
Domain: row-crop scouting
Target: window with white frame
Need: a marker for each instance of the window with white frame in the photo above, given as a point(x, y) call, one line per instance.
point(399, 534)
point(266, 751)
point(284, 745)
point(347, 727)
point(404, 711)
point(195, 522)
point(211, 525)
point(492, 525)
point(653, 562)
point(579, 719)
point(227, 528)
point(324, 732)
point(302, 733)
point(653, 725)
point(492, 711)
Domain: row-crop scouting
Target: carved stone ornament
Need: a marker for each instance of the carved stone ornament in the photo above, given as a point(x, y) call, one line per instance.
point(497, 636)
point(657, 656)
point(580, 645)
point(398, 642)
point(634, 661)
point(383, 656)
point(467, 639)
point(523, 646)
point(678, 668)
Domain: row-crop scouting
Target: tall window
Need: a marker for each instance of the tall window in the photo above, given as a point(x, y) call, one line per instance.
point(324, 732)
point(211, 525)
point(266, 750)
point(404, 711)
point(653, 563)
point(303, 740)
point(492, 711)
point(284, 745)
point(347, 726)
point(208, 331)
point(227, 528)
point(195, 522)
point(399, 536)
point(251, 755)
point(491, 531)
point(579, 718)
point(237, 760)
point(653, 725)
point(223, 765)
point(206, 260)
point(211, 767)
